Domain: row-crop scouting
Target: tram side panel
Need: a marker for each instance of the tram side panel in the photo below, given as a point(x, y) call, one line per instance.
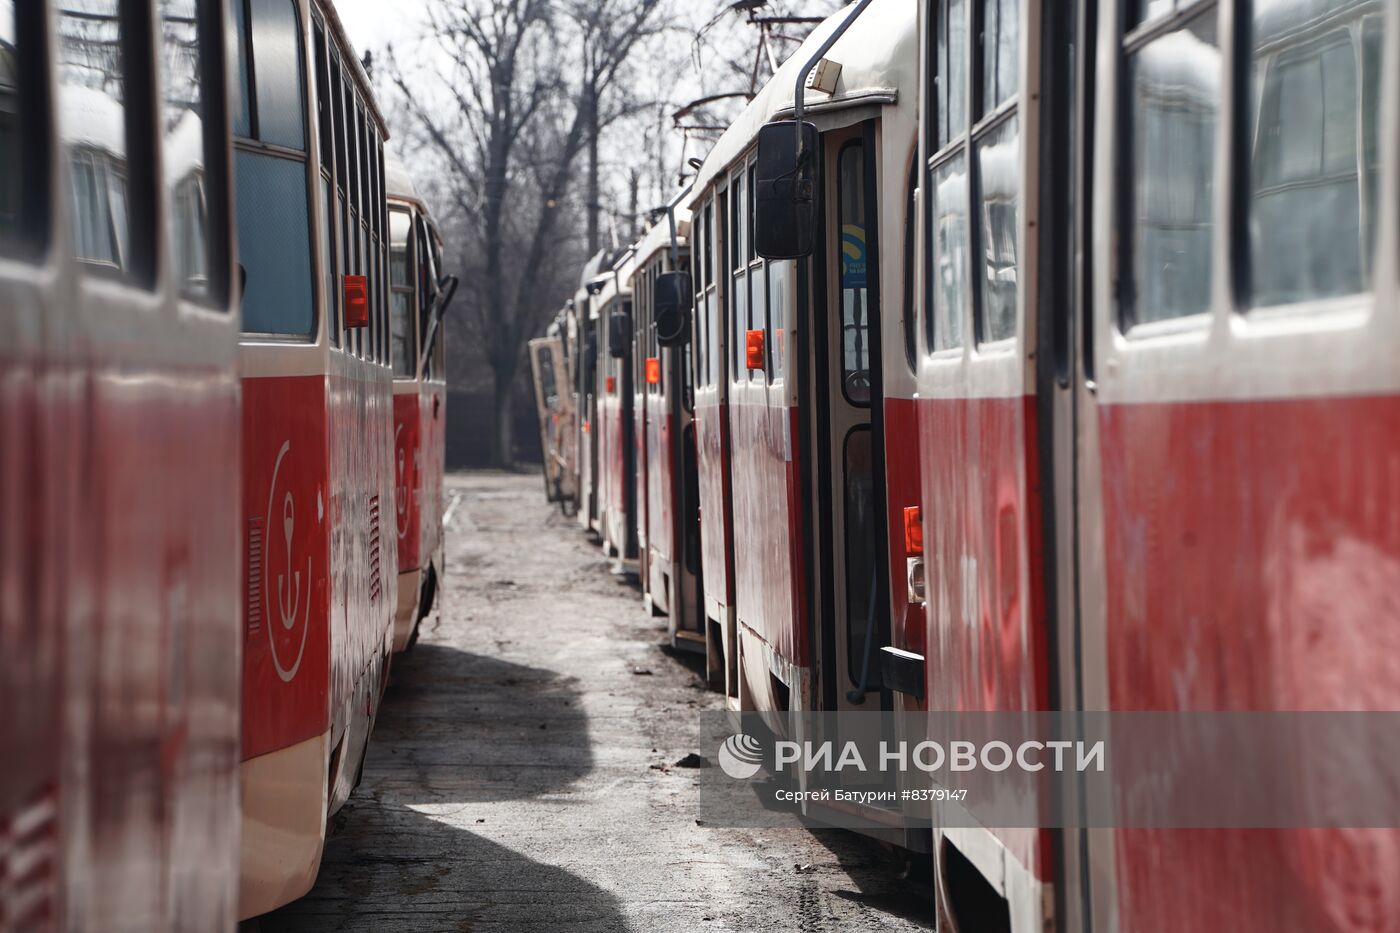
point(1241, 525)
point(318, 426)
point(712, 445)
point(986, 635)
point(765, 483)
point(118, 459)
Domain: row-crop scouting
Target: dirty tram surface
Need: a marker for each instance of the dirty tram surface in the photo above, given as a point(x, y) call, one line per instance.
point(523, 771)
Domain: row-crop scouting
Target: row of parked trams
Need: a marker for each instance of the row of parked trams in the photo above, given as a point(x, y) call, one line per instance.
point(221, 451)
point(1056, 368)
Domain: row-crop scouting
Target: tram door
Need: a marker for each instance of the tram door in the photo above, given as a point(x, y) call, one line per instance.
point(848, 429)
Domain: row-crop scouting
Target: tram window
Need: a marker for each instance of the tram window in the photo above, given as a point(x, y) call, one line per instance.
point(759, 310)
point(93, 90)
point(15, 150)
point(401, 325)
point(1172, 116)
point(1000, 52)
point(699, 320)
point(717, 286)
point(182, 32)
point(277, 88)
point(323, 98)
point(1000, 193)
point(1312, 188)
point(423, 274)
point(273, 243)
point(855, 293)
point(862, 569)
point(739, 278)
point(948, 259)
point(780, 302)
point(328, 264)
point(241, 112)
point(950, 88)
point(910, 343)
point(337, 103)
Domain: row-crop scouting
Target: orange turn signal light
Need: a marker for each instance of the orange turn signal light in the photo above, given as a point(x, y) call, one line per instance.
point(753, 349)
point(356, 291)
point(611, 385)
point(913, 530)
point(653, 370)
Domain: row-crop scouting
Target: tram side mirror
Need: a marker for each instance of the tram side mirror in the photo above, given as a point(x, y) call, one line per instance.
point(619, 335)
point(785, 191)
point(671, 300)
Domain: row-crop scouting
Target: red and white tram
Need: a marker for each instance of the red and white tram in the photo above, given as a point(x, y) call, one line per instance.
point(318, 477)
point(419, 295)
point(667, 516)
point(120, 628)
point(584, 338)
point(613, 431)
point(803, 388)
point(551, 367)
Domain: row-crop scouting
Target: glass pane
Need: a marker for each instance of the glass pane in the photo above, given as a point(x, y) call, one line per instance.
point(272, 244)
point(1175, 83)
point(323, 99)
point(11, 131)
point(277, 73)
point(94, 121)
point(780, 299)
point(1000, 52)
point(948, 257)
point(862, 611)
point(951, 91)
point(399, 224)
point(332, 301)
point(739, 301)
point(401, 330)
point(242, 118)
point(855, 294)
point(999, 185)
point(1306, 193)
point(712, 322)
point(184, 145)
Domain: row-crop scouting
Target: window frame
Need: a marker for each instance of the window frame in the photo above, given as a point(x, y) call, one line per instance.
point(408, 288)
point(981, 124)
point(1132, 40)
point(255, 145)
point(34, 118)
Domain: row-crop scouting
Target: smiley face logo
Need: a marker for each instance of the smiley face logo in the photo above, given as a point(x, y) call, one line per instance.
point(291, 600)
point(401, 484)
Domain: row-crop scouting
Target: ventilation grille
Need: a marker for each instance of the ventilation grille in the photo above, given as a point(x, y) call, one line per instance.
point(255, 571)
point(29, 862)
point(374, 586)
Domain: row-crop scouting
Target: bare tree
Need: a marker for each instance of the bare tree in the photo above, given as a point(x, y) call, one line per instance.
point(515, 91)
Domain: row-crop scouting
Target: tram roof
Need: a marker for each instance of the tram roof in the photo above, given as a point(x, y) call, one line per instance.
point(616, 281)
point(879, 55)
point(657, 237)
point(398, 182)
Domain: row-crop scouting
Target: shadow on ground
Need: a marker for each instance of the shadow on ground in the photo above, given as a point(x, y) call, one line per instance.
point(456, 730)
point(457, 727)
point(405, 871)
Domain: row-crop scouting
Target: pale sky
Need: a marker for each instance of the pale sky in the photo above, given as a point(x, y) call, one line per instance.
point(375, 23)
